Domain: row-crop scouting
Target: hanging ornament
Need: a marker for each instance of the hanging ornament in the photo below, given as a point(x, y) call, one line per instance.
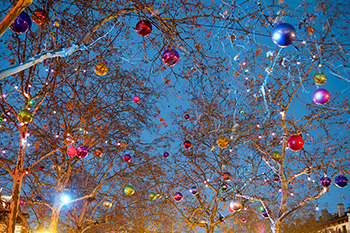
point(170, 57)
point(243, 219)
point(194, 190)
point(152, 196)
point(230, 209)
point(98, 152)
point(37, 199)
point(265, 214)
point(1, 118)
point(136, 99)
point(275, 177)
point(236, 205)
point(224, 187)
point(22, 201)
point(276, 155)
point(341, 181)
point(223, 141)
point(320, 78)
point(295, 142)
point(143, 28)
point(283, 35)
point(226, 176)
point(21, 24)
point(127, 158)
point(25, 116)
point(107, 204)
point(101, 68)
point(158, 196)
point(321, 96)
point(129, 190)
point(82, 151)
point(187, 117)
point(72, 151)
point(178, 196)
point(325, 181)
point(40, 17)
point(187, 144)
point(166, 154)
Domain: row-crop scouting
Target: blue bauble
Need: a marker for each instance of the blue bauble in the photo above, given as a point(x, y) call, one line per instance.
point(22, 23)
point(166, 154)
point(283, 35)
point(194, 190)
point(341, 181)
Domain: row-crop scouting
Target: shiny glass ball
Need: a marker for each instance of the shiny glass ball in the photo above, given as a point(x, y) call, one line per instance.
point(152, 196)
point(98, 152)
point(82, 151)
point(72, 151)
point(178, 196)
point(136, 99)
point(236, 205)
point(325, 181)
point(101, 68)
point(194, 190)
point(127, 158)
point(187, 117)
point(275, 177)
point(295, 142)
point(143, 28)
point(283, 35)
point(22, 23)
point(321, 96)
point(223, 141)
point(166, 154)
point(40, 17)
point(25, 116)
point(276, 155)
point(341, 181)
point(320, 78)
point(170, 57)
point(226, 176)
point(187, 144)
point(129, 190)
point(243, 219)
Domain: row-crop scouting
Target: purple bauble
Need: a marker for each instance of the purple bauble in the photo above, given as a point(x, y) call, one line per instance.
point(166, 154)
point(341, 181)
point(275, 177)
point(127, 158)
point(325, 181)
point(22, 23)
point(194, 190)
point(170, 57)
point(283, 35)
point(178, 196)
point(82, 151)
point(321, 96)
point(265, 214)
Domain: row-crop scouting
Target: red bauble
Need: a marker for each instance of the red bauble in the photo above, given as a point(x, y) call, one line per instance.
point(295, 142)
point(187, 144)
point(187, 117)
point(40, 16)
point(127, 158)
point(243, 219)
point(144, 28)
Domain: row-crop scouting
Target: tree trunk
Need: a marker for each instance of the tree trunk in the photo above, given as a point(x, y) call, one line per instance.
point(55, 216)
point(17, 183)
point(16, 192)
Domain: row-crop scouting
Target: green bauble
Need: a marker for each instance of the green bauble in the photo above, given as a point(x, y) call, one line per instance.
point(25, 116)
point(1, 118)
point(320, 78)
point(129, 190)
point(152, 196)
point(276, 155)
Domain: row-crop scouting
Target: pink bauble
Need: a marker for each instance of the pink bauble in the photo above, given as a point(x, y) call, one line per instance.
point(243, 219)
point(321, 96)
point(22, 201)
point(72, 151)
point(136, 99)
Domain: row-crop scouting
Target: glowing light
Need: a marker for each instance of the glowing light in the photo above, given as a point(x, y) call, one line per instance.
point(65, 199)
